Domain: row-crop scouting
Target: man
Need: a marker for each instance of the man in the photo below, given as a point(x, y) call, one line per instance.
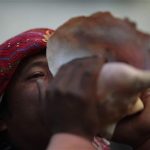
point(22, 124)
point(22, 64)
point(24, 77)
point(23, 71)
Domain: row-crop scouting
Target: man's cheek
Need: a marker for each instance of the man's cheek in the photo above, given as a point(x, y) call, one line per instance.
point(25, 98)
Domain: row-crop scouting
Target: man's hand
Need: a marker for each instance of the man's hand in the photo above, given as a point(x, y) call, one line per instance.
point(88, 96)
point(135, 130)
point(71, 102)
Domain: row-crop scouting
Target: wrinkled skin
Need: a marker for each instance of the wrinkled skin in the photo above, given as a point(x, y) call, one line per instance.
point(24, 119)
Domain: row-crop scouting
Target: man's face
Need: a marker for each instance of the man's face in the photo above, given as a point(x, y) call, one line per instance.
point(25, 123)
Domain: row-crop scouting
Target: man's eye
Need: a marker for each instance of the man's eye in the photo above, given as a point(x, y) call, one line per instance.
point(36, 75)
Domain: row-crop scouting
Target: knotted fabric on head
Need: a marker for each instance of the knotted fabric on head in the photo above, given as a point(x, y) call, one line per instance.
point(14, 50)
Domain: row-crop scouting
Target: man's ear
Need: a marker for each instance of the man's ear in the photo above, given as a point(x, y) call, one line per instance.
point(3, 125)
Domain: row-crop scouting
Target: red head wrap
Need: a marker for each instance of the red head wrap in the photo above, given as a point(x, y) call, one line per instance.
point(17, 48)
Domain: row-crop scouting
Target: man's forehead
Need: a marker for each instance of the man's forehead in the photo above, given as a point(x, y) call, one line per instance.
point(34, 58)
point(32, 61)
